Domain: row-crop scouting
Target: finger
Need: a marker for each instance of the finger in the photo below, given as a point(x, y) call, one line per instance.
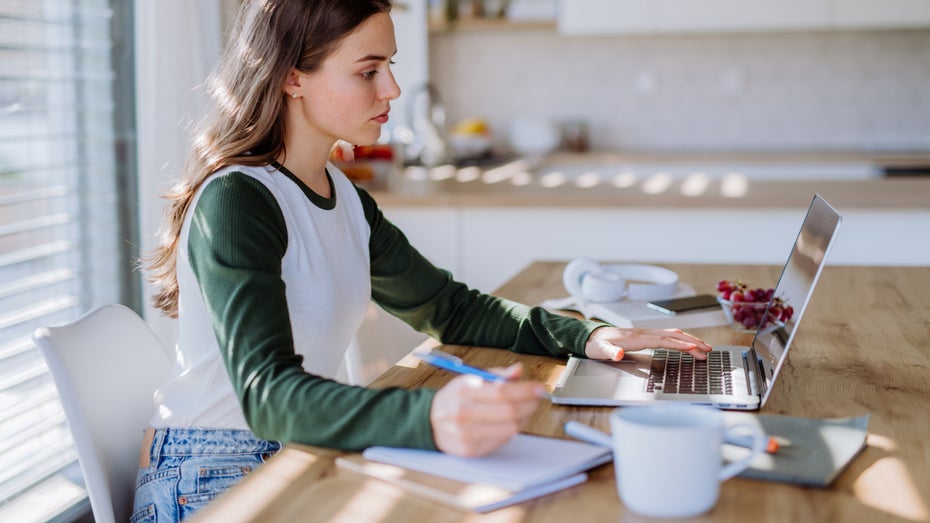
point(683, 346)
point(511, 373)
point(474, 440)
point(610, 351)
point(697, 354)
point(674, 339)
point(507, 391)
point(690, 338)
point(502, 412)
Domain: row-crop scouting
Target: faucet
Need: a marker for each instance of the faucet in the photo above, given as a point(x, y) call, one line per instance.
point(427, 116)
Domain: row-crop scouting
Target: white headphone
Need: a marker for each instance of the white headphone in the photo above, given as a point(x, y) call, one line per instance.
point(590, 281)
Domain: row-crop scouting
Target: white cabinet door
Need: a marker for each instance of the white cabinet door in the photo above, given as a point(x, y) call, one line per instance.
point(497, 243)
point(590, 17)
point(855, 14)
point(740, 15)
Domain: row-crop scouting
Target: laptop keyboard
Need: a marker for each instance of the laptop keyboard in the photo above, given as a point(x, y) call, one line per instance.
point(675, 372)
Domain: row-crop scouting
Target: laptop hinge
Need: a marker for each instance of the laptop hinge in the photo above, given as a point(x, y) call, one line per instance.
point(755, 381)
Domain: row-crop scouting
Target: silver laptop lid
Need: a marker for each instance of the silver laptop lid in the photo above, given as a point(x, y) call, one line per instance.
point(796, 285)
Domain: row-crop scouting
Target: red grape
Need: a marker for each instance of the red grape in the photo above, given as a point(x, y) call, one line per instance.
point(747, 306)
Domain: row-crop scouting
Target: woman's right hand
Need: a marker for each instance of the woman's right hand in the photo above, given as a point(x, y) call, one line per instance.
point(472, 417)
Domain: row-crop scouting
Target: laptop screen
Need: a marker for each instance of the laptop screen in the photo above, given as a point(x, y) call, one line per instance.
point(796, 283)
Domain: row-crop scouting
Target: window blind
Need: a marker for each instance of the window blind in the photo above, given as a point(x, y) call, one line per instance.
point(62, 166)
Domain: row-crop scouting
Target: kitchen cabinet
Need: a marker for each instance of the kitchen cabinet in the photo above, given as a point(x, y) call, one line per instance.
point(605, 17)
point(855, 14)
point(485, 246)
point(489, 24)
point(585, 17)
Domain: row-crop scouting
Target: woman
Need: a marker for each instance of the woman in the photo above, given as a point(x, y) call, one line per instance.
point(270, 257)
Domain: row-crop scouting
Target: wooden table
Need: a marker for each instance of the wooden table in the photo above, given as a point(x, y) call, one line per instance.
point(864, 347)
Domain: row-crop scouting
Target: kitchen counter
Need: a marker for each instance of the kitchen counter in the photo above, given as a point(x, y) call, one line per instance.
point(484, 223)
point(658, 180)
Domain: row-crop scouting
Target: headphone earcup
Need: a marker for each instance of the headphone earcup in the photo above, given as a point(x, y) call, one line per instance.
point(586, 279)
point(574, 271)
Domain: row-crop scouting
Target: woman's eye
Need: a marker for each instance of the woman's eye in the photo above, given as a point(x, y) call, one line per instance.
point(368, 75)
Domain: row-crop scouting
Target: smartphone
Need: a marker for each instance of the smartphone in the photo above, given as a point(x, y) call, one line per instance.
point(691, 303)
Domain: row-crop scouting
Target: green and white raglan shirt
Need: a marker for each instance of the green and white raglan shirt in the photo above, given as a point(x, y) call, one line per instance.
point(274, 281)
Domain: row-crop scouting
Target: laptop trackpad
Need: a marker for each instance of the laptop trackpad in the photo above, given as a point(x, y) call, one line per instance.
point(607, 379)
point(632, 366)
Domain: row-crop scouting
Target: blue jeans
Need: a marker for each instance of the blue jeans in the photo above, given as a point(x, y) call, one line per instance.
point(186, 468)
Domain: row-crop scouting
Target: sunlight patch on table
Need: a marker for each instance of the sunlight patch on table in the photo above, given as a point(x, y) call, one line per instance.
point(887, 486)
point(373, 502)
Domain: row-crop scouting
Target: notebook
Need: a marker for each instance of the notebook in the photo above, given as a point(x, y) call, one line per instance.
point(636, 313)
point(526, 467)
point(744, 376)
point(813, 452)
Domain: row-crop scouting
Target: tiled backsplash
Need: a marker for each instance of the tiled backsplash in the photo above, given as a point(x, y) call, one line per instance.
point(757, 91)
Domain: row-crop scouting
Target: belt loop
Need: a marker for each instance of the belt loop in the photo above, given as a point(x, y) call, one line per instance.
point(157, 444)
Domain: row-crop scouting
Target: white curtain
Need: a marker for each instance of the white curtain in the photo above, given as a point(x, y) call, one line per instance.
point(177, 44)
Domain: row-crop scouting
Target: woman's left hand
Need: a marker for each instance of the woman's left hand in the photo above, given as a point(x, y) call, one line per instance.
point(610, 343)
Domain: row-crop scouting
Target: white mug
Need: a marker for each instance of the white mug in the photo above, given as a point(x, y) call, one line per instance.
point(668, 458)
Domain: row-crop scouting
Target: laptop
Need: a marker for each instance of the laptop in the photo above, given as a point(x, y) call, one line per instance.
point(733, 377)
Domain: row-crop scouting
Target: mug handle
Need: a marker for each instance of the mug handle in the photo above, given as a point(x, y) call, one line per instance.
point(759, 440)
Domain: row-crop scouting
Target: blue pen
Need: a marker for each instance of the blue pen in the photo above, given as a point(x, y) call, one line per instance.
point(455, 364)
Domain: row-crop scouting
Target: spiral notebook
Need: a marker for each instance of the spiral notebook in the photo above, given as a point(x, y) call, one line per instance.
point(527, 467)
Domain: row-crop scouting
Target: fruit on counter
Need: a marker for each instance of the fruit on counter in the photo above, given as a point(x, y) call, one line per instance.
point(747, 305)
point(373, 152)
point(470, 138)
point(472, 127)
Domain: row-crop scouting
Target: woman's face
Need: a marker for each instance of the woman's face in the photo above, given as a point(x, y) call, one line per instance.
point(349, 97)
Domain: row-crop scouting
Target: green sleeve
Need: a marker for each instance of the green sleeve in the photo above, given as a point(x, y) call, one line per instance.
point(237, 241)
point(408, 286)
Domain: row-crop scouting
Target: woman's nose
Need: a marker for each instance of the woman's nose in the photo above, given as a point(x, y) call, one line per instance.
point(390, 90)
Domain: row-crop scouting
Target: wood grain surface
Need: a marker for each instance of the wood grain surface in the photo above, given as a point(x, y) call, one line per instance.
point(864, 347)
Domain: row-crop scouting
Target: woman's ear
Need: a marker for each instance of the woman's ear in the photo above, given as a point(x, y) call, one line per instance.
point(292, 84)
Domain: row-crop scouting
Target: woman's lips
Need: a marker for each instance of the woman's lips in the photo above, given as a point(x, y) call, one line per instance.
point(381, 118)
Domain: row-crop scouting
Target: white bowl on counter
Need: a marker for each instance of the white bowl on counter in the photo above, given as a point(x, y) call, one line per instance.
point(532, 136)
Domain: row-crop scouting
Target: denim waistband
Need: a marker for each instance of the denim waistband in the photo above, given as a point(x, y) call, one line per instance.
point(199, 441)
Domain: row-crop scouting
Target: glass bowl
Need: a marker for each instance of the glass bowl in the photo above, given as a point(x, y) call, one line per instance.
point(747, 316)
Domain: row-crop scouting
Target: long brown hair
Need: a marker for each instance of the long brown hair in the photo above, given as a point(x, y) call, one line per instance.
point(244, 122)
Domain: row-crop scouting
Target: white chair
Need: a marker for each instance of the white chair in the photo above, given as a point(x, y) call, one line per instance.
point(106, 366)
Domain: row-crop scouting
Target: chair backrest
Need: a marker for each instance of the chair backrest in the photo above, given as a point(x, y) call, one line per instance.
point(106, 366)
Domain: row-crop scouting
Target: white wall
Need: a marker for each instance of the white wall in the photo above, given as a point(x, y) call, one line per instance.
point(863, 90)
